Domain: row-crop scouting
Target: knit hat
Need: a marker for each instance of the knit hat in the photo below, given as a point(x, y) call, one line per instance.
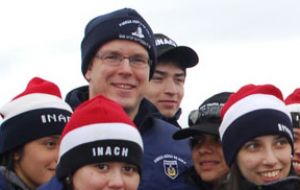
point(293, 105)
point(98, 131)
point(166, 47)
point(253, 111)
point(126, 24)
point(206, 119)
point(37, 112)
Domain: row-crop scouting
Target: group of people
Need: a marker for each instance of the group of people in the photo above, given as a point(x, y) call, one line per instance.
point(247, 139)
point(121, 131)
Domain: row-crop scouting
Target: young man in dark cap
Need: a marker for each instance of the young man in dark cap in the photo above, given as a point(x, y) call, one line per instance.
point(209, 164)
point(118, 60)
point(166, 87)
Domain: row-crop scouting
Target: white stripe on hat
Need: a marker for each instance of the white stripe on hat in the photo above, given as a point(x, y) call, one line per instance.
point(99, 131)
point(251, 103)
point(32, 102)
point(294, 107)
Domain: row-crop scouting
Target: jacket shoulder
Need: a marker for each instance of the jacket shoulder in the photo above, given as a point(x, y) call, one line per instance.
point(53, 184)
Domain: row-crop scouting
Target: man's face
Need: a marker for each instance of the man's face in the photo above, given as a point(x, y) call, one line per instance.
point(166, 88)
point(123, 83)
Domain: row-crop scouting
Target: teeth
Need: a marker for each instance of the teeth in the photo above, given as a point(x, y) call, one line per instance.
point(124, 86)
point(296, 164)
point(270, 174)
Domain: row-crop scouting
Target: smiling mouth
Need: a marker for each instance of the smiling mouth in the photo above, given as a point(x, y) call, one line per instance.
point(296, 164)
point(124, 86)
point(270, 174)
point(208, 164)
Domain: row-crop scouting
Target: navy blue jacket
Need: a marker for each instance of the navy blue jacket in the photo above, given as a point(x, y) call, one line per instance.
point(173, 120)
point(53, 184)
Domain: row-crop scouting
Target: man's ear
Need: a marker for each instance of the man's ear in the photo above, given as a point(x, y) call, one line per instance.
point(87, 74)
point(16, 156)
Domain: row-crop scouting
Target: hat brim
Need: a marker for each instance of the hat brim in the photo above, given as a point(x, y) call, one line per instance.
point(195, 130)
point(186, 56)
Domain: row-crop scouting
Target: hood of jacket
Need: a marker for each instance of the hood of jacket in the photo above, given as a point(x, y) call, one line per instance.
point(9, 180)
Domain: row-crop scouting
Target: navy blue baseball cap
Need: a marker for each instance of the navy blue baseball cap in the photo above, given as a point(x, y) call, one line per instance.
point(167, 48)
point(206, 119)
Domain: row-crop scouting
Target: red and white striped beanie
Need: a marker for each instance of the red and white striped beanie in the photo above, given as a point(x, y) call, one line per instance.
point(253, 111)
point(98, 131)
point(293, 104)
point(37, 112)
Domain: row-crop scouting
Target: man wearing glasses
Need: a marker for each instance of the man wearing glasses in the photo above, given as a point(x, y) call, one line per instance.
point(118, 60)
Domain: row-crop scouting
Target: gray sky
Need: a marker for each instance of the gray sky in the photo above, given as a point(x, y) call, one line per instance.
point(238, 42)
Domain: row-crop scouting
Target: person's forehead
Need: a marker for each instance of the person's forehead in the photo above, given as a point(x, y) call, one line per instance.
point(267, 138)
point(123, 45)
point(168, 67)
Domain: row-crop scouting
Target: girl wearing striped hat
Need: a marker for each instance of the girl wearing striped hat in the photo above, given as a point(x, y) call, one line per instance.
point(29, 135)
point(100, 148)
point(257, 139)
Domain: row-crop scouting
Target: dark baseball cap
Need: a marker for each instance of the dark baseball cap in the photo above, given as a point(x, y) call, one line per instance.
point(206, 119)
point(167, 47)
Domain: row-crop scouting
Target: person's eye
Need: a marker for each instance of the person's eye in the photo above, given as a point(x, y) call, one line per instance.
point(139, 60)
point(180, 80)
point(102, 166)
point(111, 57)
point(197, 141)
point(130, 169)
point(251, 146)
point(281, 142)
point(51, 144)
point(156, 78)
point(217, 140)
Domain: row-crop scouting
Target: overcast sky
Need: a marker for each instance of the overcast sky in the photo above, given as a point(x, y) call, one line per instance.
point(238, 42)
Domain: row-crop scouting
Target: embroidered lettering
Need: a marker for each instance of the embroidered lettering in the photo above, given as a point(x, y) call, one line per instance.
point(54, 118)
point(110, 151)
point(285, 129)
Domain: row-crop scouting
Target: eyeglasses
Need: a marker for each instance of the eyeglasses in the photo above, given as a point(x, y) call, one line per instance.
point(115, 59)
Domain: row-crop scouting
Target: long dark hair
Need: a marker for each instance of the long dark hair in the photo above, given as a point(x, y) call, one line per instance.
point(235, 178)
point(7, 159)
